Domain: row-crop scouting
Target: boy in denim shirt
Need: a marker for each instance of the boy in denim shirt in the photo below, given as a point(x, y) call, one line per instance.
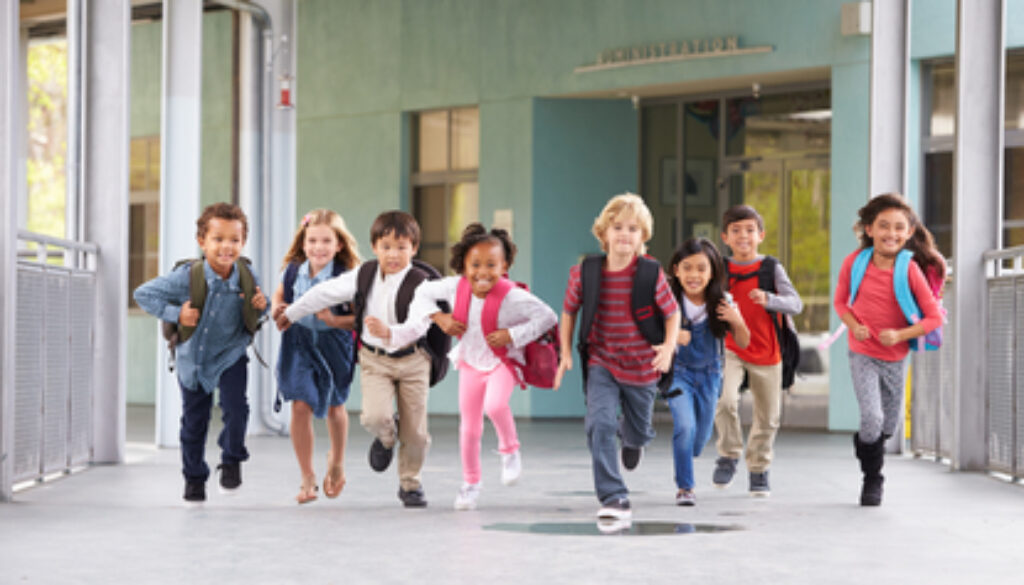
point(214, 355)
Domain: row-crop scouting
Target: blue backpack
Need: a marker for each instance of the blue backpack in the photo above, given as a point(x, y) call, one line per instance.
point(901, 286)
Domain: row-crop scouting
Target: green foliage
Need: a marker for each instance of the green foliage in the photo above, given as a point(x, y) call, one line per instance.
point(47, 129)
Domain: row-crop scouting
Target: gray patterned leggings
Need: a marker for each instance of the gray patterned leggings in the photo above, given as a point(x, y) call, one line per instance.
point(879, 388)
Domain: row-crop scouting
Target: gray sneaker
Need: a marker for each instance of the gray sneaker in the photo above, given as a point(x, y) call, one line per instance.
point(759, 484)
point(725, 468)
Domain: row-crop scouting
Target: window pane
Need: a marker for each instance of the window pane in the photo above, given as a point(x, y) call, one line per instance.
point(1015, 93)
point(1014, 198)
point(943, 95)
point(432, 153)
point(428, 206)
point(47, 127)
point(808, 268)
point(938, 199)
point(465, 139)
point(791, 122)
point(465, 209)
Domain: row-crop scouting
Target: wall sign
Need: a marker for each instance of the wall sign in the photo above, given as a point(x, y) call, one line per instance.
point(671, 51)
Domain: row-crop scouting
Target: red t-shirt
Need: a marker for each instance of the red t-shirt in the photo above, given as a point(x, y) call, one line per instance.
point(615, 342)
point(876, 307)
point(764, 345)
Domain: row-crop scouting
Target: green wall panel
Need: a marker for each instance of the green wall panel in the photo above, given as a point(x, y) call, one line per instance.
point(584, 152)
point(849, 193)
point(440, 61)
point(145, 79)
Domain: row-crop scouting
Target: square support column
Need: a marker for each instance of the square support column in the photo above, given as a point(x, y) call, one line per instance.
point(180, 181)
point(890, 62)
point(10, 137)
point(977, 212)
point(105, 161)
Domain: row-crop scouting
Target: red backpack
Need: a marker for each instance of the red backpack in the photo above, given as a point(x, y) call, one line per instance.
point(541, 355)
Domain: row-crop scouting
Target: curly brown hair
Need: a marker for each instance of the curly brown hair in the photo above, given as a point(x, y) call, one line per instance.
point(221, 210)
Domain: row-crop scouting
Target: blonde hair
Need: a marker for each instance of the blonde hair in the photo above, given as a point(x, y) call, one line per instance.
point(625, 203)
point(348, 255)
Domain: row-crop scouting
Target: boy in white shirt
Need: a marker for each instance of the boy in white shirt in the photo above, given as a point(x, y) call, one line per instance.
point(390, 373)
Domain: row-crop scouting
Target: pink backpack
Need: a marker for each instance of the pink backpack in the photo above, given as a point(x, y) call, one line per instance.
point(541, 355)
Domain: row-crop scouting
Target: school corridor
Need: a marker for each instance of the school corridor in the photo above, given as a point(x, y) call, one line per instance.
point(127, 523)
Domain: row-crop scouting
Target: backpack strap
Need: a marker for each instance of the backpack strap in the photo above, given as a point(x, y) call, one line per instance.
point(590, 282)
point(197, 289)
point(901, 287)
point(462, 298)
point(247, 282)
point(644, 305)
point(407, 290)
point(766, 274)
point(288, 282)
point(364, 282)
point(857, 270)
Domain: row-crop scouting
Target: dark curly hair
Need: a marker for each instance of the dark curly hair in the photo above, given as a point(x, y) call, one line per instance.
point(474, 234)
point(715, 291)
point(226, 211)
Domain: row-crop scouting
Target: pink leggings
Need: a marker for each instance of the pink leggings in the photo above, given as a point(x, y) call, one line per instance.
point(481, 392)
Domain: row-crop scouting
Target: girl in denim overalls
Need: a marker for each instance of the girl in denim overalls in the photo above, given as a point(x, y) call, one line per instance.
point(697, 277)
point(314, 367)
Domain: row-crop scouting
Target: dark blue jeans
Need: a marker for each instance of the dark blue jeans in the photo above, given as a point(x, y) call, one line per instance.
point(605, 395)
point(195, 421)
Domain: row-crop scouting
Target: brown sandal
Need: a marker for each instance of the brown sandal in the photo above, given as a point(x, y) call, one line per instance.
point(334, 481)
point(308, 489)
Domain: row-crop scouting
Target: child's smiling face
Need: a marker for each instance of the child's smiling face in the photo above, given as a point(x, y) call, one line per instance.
point(320, 245)
point(222, 244)
point(485, 264)
point(393, 254)
point(889, 231)
point(624, 235)
point(743, 237)
point(694, 274)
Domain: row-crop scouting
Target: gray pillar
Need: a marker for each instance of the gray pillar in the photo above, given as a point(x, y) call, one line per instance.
point(105, 150)
point(890, 63)
point(977, 211)
point(10, 86)
point(180, 147)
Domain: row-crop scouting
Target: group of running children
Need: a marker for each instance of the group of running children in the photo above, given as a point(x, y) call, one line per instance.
point(690, 337)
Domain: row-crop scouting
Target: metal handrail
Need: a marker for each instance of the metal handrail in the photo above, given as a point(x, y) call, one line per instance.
point(87, 247)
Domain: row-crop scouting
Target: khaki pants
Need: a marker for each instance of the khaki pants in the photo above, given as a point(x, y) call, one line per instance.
point(405, 381)
point(766, 390)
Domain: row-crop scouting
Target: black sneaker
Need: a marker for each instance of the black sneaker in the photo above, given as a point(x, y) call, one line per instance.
point(380, 456)
point(759, 484)
point(616, 509)
point(631, 457)
point(195, 492)
point(413, 498)
point(725, 469)
point(230, 477)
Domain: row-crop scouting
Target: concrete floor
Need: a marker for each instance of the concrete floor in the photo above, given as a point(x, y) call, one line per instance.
point(127, 523)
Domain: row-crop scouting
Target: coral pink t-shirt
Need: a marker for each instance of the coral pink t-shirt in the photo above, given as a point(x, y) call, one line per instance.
point(876, 307)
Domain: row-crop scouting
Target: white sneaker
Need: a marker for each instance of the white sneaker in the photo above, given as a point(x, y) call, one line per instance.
point(511, 467)
point(467, 496)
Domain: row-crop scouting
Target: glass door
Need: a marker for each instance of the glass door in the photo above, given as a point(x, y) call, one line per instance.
point(792, 195)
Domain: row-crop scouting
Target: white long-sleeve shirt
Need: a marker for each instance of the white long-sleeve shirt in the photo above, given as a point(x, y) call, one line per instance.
point(524, 315)
point(380, 302)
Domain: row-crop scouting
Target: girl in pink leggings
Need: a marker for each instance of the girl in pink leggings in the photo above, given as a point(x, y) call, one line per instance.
point(486, 359)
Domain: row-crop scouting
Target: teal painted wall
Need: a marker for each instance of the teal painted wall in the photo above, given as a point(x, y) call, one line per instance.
point(585, 152)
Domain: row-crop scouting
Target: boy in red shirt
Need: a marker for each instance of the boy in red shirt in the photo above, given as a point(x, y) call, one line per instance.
point(623, 366)
point(743, 232)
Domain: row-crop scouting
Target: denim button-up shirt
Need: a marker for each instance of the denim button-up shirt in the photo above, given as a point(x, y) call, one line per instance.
point(302, 284)
point(220, 338)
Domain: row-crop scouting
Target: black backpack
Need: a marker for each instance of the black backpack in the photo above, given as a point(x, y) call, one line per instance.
point(643, 307)
point(176, 333)
point(435, 342)
point(785, 329)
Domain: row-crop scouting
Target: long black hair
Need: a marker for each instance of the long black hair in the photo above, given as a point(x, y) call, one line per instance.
point(473, 235)
point(715, 290)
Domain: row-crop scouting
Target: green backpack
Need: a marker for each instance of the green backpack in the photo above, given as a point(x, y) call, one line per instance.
point(176, 333)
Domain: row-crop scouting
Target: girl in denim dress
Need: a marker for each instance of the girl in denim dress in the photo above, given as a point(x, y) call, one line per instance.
point(316, 360)
point(697, 278)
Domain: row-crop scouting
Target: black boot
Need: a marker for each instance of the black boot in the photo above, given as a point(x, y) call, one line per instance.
point(871, 456)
